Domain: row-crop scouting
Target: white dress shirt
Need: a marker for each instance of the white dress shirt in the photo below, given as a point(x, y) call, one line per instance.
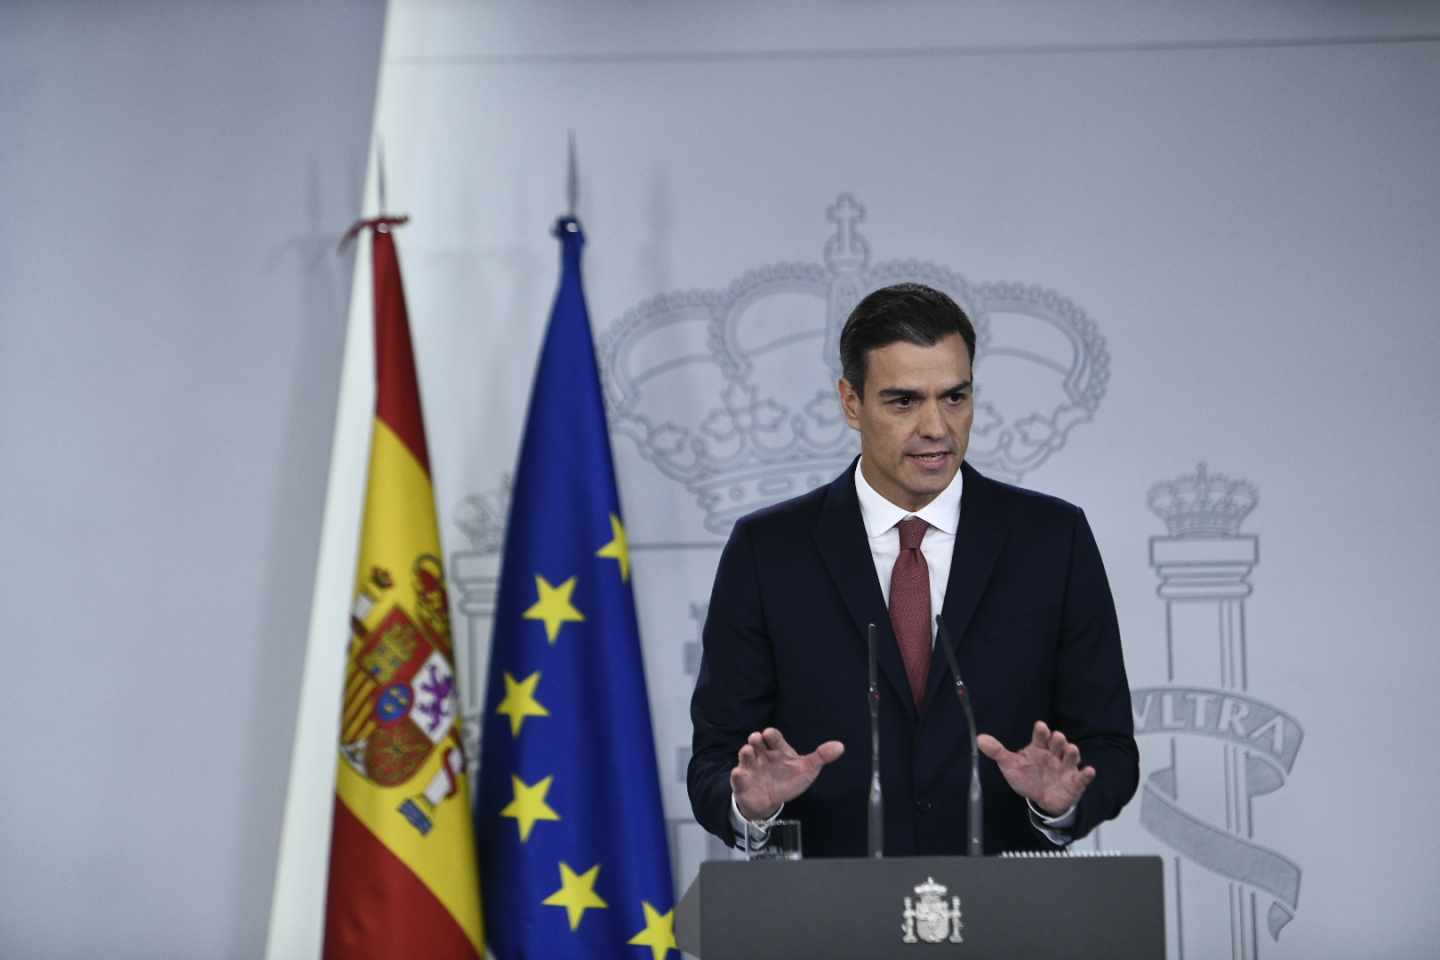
point(882, 528)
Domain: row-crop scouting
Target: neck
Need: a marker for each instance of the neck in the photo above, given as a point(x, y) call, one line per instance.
point(897, 497)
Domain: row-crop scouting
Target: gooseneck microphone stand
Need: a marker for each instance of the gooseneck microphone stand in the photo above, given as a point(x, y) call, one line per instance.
point(877, 801)
point(974, 846)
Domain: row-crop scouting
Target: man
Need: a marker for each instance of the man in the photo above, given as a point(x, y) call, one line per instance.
point(908, 532)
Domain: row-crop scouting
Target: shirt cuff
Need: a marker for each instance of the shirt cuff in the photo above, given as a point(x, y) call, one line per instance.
point(1055, 829)
point(759, 828)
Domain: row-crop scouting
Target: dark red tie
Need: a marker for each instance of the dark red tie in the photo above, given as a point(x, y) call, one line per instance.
point(910, 605)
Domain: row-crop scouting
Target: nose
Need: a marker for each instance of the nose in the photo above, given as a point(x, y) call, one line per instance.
point(932, 424)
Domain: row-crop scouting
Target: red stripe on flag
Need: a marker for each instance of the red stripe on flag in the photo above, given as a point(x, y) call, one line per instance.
point(376, 908)
point(397, 389)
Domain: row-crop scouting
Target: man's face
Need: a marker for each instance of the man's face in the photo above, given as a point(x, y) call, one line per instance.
point(914, 419)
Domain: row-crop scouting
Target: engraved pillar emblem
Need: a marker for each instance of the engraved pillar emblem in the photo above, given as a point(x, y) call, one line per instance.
point(1226, 746)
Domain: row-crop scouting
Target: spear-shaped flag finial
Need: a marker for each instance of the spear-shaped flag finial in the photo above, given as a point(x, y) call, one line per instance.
point(380, 176)
point(572, 177)
point(382, 221)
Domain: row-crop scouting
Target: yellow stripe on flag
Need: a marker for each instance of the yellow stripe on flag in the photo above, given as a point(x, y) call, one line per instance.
point(400, 520)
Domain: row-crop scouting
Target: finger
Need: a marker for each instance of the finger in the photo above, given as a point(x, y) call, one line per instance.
point(1057, 745)
point(1087, 776)
point(991, 747)
point(1071, 756)
point(756, 743)
point(774, 740)
point(1041, 736)
point(747, 757)
point(829, 751)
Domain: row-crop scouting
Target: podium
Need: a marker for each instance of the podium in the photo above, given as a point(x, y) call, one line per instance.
point(1039, 906)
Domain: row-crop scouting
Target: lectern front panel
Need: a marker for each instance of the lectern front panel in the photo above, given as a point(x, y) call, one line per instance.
point(1061, 907)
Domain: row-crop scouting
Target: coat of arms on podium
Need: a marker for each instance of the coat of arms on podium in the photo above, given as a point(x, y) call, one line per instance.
point(928, 919)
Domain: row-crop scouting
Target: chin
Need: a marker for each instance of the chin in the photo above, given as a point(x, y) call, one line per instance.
point(927, 488)
point(929, 481)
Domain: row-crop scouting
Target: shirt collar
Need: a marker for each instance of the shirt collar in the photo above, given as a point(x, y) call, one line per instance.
point(879, 514)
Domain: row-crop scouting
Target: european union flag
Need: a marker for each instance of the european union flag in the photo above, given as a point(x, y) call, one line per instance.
point(572, 836)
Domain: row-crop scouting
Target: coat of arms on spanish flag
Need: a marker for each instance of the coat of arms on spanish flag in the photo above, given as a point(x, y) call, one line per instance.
point(403, 876)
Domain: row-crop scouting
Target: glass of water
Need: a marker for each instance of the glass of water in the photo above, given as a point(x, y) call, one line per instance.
point(779, 841)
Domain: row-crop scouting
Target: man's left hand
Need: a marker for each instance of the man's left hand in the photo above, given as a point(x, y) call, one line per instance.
point(1046, 771)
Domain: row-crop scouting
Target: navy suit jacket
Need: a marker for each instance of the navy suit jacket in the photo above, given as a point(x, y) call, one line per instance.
point(1028, 610)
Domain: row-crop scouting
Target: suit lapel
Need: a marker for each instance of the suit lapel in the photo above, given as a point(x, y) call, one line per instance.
point(845, 551)
point(978, 540)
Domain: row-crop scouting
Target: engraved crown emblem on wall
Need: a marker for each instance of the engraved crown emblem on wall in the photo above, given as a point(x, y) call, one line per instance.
point(731, 391)
point(1203, 504)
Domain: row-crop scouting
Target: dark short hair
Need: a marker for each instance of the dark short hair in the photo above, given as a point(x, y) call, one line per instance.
point(911, 312)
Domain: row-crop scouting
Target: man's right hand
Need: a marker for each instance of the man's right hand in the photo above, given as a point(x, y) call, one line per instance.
point(770, 772)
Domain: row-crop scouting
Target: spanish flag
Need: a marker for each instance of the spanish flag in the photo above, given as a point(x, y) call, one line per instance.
point(403, 877)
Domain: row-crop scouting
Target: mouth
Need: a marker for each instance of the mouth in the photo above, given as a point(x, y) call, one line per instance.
point(932, 460)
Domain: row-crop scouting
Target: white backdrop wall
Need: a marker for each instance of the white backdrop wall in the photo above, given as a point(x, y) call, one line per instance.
point(1191, 234)
point(173, 180)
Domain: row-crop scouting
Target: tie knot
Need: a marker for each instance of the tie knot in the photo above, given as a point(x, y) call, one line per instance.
point(912, 531)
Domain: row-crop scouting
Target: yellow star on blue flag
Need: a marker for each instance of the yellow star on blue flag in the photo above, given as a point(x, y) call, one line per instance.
point(659, 932)
point(552, 791)
point(618, 549)
point(553, 607)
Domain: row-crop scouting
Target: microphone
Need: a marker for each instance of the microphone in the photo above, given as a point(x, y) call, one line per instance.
point(975, 819)
point(877, 802)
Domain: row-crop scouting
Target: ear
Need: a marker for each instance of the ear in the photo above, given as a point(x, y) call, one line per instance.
point(849, 402)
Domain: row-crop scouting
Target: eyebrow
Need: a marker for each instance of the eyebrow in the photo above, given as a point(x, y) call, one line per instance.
point(901, 393)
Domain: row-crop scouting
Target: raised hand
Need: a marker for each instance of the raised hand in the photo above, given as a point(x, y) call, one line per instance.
point(1046, 771)
point(770, 772)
